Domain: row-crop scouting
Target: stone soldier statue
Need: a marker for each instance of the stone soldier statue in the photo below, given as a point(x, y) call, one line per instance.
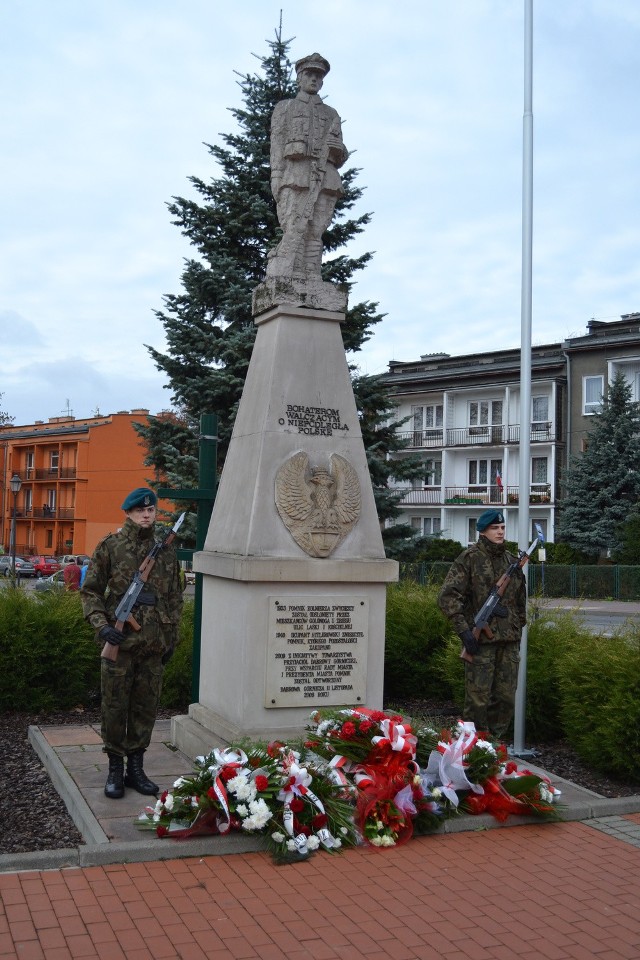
point(306, 152)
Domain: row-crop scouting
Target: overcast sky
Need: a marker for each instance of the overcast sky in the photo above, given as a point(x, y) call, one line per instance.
point(106, 104)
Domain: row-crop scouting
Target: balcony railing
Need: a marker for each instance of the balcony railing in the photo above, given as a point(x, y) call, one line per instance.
point(474, 495)
point(49, 473)
point(492, 435)
point(60, 513)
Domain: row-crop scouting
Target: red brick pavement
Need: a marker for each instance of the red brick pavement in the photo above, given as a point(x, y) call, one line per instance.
point(542, 892)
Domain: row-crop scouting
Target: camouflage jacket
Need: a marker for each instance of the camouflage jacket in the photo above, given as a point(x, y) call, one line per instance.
point(469, 582)
point(113, 566)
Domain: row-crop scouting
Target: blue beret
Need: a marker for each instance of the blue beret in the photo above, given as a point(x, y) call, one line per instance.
point(140, 497)
point(487, 518)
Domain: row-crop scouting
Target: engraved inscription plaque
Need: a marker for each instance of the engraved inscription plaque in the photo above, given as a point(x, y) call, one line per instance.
point(317, 651)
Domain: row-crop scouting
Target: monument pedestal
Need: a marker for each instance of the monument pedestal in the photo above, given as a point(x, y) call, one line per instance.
point(294, 571)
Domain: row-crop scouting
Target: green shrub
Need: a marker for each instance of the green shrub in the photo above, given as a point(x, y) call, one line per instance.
point(415, 629)
point(600, 687)
point(552, 635)
point(177, 680)
point(48, 653)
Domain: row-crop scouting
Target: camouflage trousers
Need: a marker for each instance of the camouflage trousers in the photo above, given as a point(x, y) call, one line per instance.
point(131, 688)
point(490, 687)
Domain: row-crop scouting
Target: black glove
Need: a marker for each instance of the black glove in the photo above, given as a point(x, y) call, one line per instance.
point(500, 611)
point(471, 644)
point(110, 634)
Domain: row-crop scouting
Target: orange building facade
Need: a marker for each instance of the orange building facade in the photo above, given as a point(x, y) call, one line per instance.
point(75, 475)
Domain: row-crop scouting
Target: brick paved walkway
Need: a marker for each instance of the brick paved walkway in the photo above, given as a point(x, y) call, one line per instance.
point(542, 892)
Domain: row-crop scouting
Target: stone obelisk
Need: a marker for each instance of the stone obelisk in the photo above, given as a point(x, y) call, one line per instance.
point(294, 570)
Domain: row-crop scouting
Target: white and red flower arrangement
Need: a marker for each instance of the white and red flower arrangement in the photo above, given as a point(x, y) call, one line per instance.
point(361, 776)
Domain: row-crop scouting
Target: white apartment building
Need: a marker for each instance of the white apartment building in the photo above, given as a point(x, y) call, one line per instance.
point(464, 420)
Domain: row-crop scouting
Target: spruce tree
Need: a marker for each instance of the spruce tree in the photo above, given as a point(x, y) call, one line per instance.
point(602, 485)
point(209, 325)
point(5, 419)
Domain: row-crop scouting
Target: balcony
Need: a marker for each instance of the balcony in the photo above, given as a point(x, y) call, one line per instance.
point(474, 496)
point(61, 513)
point(492, 435)
point(49, 473)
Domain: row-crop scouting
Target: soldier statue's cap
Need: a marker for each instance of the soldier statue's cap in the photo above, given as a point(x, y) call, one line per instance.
point(313, 62)
point(140, 497)
point(487, 517)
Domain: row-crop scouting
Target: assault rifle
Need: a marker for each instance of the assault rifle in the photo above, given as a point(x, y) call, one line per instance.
point(492, 606)
point(124, 610)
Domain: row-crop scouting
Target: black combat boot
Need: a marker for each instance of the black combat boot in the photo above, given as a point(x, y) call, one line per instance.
point(114, 787)
point(136, 777)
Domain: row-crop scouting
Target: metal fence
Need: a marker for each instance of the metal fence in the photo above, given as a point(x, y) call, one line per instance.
point(553, 580)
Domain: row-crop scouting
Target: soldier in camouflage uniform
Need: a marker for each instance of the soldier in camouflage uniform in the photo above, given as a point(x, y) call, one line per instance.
point(132, 683)
point(492, 677)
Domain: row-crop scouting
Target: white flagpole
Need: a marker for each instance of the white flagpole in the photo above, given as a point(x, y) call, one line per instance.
point(525, 352)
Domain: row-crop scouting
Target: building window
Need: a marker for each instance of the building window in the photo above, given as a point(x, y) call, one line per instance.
point(482, 472)
point(592, 393)
point(432, 526)
point(29, 464)
point(427, 424)
point(416, 524)
point(433, 473)
point(539, 470)
point(28, 500)
point(539, 409)
point(49, 538)
point(485, 421)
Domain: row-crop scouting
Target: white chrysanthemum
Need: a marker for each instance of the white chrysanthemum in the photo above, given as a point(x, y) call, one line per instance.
point(436, 793)
point(277, 837)
point(242, 787)
point(159, 807)
point(179, 783)
point(387, 841)
point(376, 841)
point(168, 803)
point(545, 794)
point(337, 843)
point(344, 831)
point(485, 745)
point(291, 846)
point(242, 810)
point(313, 843)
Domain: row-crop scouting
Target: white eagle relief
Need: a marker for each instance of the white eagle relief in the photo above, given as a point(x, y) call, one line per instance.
point(318, 507)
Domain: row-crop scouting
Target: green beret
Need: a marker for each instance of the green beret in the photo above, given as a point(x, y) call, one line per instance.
point(487, 518)
point(140, 497)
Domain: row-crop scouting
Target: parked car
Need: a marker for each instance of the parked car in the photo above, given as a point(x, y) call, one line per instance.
point(44, 566)
point(24, 568)
point(54, 582)
point(79, 558)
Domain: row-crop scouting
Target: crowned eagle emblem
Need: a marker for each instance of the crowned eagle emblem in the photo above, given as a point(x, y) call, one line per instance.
point(318, 507)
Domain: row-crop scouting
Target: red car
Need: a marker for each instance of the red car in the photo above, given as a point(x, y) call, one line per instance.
point(45, 566)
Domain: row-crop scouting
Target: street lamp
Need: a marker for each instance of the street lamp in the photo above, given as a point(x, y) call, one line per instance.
point(15, 483)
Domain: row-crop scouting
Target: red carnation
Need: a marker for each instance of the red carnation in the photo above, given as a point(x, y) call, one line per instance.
point(273, 748)
point(261, 782)
point(161, 831)
point(348, 730)
point(511, 767)
point(319, 821)
point(297, 805)
point(365, 726)
point(211, 793)
point(227, 773)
